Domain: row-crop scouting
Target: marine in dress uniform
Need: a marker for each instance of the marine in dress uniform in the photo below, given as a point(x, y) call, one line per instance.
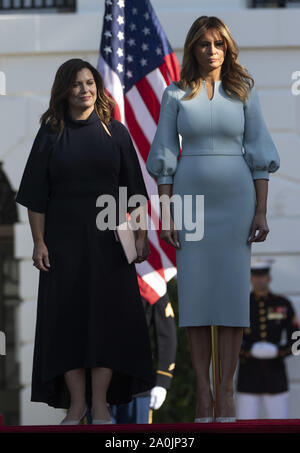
point(160, 316)
point(262, 377)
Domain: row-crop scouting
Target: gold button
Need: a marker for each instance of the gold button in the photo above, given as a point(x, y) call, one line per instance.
point(261, 304)
point(262, 319)
point(262, 311)
point(262, 327)
point(263, 334)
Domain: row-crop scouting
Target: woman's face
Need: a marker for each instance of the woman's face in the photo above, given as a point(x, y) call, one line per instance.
point(210, 51)
point(83, 92)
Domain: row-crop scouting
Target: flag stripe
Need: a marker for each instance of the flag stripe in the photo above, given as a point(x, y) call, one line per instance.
point(149, 97)
point(137, 63)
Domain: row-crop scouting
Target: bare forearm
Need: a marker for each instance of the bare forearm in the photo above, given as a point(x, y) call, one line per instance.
point(140, 220)
point(37, 225)
point(165, 189)
point(261, 188)
point(169, 232)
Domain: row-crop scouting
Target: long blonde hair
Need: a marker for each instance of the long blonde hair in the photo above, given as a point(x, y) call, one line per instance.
point(236, 80)
point(58, 104)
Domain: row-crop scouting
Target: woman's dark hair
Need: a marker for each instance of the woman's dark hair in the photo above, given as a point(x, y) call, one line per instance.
point(64, 79)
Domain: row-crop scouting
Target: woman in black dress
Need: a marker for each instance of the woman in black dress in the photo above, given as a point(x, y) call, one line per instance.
point(92, 345)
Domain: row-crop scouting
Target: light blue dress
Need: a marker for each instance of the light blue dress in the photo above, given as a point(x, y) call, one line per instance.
point(225, 146)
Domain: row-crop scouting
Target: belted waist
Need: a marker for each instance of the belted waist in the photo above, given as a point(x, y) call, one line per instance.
point(212, 152)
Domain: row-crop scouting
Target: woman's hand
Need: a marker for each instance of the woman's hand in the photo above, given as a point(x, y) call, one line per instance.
point(171, 235)
point(142, 248)
point(259, 223)
point(41, 256)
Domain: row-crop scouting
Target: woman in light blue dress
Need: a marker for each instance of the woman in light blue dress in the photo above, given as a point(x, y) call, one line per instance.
point(227, 155)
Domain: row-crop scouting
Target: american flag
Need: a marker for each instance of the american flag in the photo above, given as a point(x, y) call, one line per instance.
point(137, 63)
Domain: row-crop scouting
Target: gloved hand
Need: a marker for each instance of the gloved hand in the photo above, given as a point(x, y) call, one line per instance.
point(158, 396)
point(264, 350)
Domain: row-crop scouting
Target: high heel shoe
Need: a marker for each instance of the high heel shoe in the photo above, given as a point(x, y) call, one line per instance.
point(75, 422)
point(209, 419)
point(228, 419)
point(225, 419)
point(101, 421)
point(203, 420)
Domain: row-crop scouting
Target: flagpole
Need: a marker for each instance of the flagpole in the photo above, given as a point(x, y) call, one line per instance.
point(150, 419)
point(216, 368)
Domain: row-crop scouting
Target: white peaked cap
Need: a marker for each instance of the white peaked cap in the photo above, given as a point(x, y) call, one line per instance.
point(261, 263)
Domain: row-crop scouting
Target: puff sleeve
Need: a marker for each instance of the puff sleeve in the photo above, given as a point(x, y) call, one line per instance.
point(260, 153)
point(130, 174)
point(34, 188)
point(162, 159)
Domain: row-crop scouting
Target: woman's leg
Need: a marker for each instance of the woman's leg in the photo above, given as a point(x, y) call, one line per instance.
point(100, 382)
point(229, 341)
point(200, 346)
point(75, 380)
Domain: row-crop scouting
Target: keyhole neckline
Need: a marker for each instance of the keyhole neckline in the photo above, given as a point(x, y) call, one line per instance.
point(216, 82)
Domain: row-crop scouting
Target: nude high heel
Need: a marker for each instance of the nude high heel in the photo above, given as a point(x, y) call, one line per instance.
point(203, 420)
point(225, 419)
point(101, 421)
point(75, 422)
point(230, 419)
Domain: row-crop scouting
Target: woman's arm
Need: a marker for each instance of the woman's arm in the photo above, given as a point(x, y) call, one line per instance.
point(131, 177)
point(163, 155)
point(162, 160)
point(170, 235)
point(40, 252)
point(261, 188)
point(261, 154)
point(139, 220)
point(260, 219)
point(262, 158)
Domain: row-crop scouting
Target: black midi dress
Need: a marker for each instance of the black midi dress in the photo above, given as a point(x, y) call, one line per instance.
point(89, 309)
